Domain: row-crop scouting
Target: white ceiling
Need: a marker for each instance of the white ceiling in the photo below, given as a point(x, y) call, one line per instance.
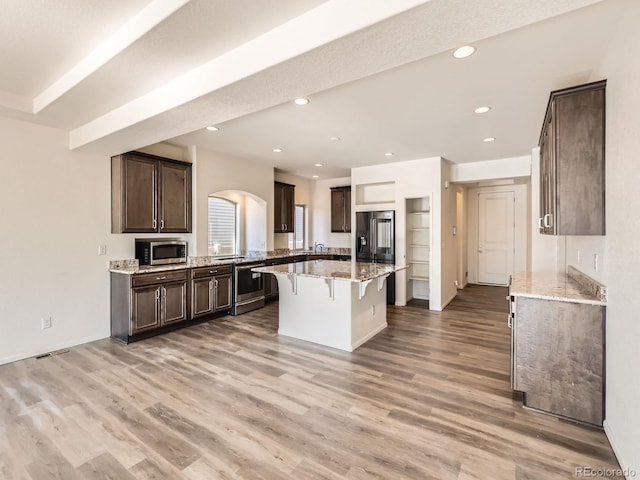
point(121, 75)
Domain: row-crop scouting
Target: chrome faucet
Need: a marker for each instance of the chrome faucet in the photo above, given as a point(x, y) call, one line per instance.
point(317, 246)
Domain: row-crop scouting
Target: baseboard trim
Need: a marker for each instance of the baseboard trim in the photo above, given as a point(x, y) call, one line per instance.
point(616, 451)
point(49, 349)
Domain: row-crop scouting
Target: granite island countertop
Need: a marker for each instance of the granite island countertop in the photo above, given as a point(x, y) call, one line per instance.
point(332, 269)
point(131, 266)
point(573, 286)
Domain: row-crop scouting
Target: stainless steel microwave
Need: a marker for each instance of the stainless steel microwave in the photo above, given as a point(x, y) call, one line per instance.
point(161, 251)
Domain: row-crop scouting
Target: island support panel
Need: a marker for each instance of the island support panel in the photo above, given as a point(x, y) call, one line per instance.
point(332, 312)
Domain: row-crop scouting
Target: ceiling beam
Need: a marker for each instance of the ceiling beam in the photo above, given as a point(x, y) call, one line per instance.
point(322, 25)
point(144, 21)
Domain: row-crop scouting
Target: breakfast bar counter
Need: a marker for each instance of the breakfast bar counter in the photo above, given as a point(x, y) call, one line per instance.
point(332, 303)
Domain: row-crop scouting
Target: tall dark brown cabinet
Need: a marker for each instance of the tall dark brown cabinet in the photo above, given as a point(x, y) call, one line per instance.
point(284, 207)
point(150, 194)
point(572, 183)
point(341, 209)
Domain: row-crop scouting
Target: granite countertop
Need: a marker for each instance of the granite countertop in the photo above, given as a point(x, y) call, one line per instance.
point(131, 267)
point(332, 269)
point(573, 286)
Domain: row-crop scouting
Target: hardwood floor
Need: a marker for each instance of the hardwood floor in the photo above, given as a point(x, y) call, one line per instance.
point(426, 398)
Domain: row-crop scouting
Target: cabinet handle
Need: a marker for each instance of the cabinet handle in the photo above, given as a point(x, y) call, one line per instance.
point(157, 294)
point(213, 271)
point(540, 225)
point(162, 224)
point(509, 323)
point(210, 284)
point(154, 223)
point(215, 283)
point(161, 278)
point(547, 222)
point(164, 292)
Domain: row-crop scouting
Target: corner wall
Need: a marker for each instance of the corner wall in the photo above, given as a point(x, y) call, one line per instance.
point(620, 263)
point(56, 211)
point(320, 214)
point(218, 172)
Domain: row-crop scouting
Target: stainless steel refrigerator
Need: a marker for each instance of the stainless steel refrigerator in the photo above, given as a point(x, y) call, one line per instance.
point(375, 242)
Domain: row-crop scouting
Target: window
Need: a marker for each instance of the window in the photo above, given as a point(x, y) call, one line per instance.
point(223, 227)
point(296, 239)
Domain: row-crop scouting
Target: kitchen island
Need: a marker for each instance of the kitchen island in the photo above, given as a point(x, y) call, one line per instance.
point(332, 303)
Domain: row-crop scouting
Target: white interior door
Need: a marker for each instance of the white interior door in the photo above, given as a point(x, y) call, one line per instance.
point(496, 232)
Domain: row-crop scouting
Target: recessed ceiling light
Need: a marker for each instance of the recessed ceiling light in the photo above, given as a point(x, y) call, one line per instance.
point(212, 128)
point(464, 52)
point(319, 164)
point(334, 139)
point(482, 109)
point(316, 176)
point(489, 139)
point(301, 101)
point(277, 150)
point(388, 154)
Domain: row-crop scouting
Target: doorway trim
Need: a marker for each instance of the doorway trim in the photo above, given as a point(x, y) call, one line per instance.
point(521, 240)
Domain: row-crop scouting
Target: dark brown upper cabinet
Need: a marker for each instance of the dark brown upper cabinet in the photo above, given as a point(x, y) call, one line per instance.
point(341, 209)
point(284, 207)
point(150, 194)
point(572, 184)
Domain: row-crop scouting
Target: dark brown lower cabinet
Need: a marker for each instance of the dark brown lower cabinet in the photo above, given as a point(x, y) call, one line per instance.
point(210, 290)
point(558, 357)
point(144, 303)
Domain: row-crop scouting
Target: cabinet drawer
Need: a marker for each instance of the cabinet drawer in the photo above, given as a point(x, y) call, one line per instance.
point(158, 277)
point(209, 271)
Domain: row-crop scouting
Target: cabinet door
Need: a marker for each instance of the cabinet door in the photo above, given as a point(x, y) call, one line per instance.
point(580, 163)
point(145, 309)
point(337, 210)
point(559, 357)
point(347, 210)
point(138, 195)
point(222, 292)
point(175, 198)
point(201, 296)
point(289, 208)
point(278, 221)
point(174, 302)
point(284, 215)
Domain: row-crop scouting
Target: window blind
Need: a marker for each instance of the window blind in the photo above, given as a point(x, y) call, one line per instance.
point(222, 226)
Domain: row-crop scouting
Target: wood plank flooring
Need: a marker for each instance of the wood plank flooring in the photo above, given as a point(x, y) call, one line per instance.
point(426, 398)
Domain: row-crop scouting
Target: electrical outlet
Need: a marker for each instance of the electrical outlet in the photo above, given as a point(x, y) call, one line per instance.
point(46, 322)
point(102, 250)
point(595, 262)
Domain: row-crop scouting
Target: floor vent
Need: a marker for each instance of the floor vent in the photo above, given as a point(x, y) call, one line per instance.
point(51, 354)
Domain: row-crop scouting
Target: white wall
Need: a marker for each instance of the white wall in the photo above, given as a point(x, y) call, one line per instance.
point(56, 211)
point(620, 257)
point(303, 196)
point(217, 172)
point(414, 179)
point(521, 231)
point(321, 214)
point(449, 243)
point(493, 169)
